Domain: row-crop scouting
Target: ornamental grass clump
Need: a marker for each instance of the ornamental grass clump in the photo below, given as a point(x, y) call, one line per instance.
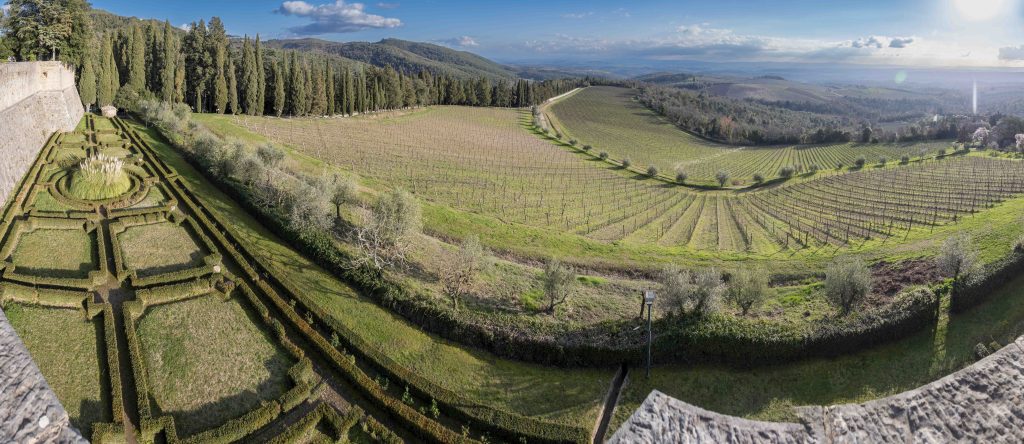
point(99, 177)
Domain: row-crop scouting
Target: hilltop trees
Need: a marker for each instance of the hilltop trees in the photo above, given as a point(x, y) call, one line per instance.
point(48, 30)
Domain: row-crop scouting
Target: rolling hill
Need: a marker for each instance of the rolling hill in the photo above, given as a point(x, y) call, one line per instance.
point(404, 56)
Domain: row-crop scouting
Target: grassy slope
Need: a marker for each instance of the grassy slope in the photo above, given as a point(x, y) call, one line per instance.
point(68, 351)
point(570, 397)
point(766, 393)
point(208, 362)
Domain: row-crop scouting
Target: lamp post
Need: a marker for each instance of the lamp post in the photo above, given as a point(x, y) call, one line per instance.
point(649, 301)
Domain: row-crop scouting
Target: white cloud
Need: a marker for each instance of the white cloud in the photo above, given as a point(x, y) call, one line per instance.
point(464, 41)
point(383, 5)
point(1011, 53)
point(337, 17)
point(900, 42)
point(880, 41)
point(577, 15)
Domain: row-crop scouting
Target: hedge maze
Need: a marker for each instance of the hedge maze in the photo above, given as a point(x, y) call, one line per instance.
point(142, 326)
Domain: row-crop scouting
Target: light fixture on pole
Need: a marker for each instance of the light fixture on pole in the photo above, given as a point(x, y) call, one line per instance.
point(649, 302)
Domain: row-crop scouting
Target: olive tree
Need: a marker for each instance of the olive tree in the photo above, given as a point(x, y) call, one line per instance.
point(958, 259)
point(699, 292)
point(722, 177)
point(748, 288)
point(459, 271)
point(389, 228)
point(847, 283)
point(343, 190)
point(558, 280)
point(681, 176)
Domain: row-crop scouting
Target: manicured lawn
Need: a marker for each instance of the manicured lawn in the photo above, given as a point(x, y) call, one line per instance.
point(70, 353)
point(56, 253)
point(44, 201)
point(208, 362)
point(160, 248)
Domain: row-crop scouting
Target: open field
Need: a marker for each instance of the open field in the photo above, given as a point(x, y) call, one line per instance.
point(483, 162)
point(610, 120)
point(69, 352)
point(208, 362)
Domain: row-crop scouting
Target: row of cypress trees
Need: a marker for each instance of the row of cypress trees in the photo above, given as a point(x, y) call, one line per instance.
point(210, 72)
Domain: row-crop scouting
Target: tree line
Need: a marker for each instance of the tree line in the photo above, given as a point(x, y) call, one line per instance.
point(212, 72)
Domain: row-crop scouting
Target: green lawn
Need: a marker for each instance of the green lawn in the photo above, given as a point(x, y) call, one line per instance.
point(56, 253)
point(767, 393)
point(570, 397)
point(71, 354)
point(159, 248)
point(208, 362)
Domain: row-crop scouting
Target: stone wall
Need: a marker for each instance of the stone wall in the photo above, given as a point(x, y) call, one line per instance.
point(36, 99)
point(981, 403)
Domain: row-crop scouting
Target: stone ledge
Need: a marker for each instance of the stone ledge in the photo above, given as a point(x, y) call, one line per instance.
point(29, 410)
point(982, 403)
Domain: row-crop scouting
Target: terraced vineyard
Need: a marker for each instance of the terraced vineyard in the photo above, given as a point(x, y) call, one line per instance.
point(611, 121)
point(483, 161)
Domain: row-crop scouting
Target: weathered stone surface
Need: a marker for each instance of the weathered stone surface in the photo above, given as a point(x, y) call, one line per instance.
point(663, 419)
point(29, 410)
point(981, 403)
point(36, 99)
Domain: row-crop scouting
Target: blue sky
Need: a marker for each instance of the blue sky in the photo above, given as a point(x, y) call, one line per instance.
point(910, 32)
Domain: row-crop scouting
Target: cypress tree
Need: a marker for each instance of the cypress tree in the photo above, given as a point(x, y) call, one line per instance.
point(232, 86)
point(306, 88)
point(331, 96)
point(220, 84)
point(318, 102)
point(261, 79)
point(179, 78)
point(195, 59)
point(136, 60)
point(87, 83)
point(297, 88)
point(349, 93)
point(250, 81)
point(279, 89)
point(168, 67)
point(109, 81)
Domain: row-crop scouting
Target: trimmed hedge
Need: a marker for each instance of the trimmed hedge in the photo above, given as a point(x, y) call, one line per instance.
point(114, 369)
point(323, 413)
point(49, 297)
point(969, 294)
point(138, 367)
point(175, 292)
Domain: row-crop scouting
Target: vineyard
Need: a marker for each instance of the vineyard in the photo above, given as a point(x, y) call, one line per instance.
point(611, 121)
point(484, 161)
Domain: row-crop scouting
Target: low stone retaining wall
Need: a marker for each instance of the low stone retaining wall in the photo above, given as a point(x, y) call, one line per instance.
point(981, 403)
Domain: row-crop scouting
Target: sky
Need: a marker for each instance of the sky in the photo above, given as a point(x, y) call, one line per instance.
point(926, 33)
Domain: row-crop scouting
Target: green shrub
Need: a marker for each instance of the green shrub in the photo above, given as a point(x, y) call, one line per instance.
point(603, 155)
